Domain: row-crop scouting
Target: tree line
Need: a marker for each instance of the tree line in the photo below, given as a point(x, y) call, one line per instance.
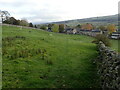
point(53, 27)
point(110, 27)
point(5, 16)
point(13, 21)
point(61, 27)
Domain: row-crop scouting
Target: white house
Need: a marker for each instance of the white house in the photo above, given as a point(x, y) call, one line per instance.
point(115, 35)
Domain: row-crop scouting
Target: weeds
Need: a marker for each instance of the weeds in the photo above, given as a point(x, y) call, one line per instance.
point(103, 38)
point(8, 41)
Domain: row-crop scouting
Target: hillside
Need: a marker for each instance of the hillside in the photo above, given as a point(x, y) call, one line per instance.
point(38, 59)
point(105, 20)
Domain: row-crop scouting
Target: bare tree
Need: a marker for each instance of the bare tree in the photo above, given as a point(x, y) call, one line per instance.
point(4, 15)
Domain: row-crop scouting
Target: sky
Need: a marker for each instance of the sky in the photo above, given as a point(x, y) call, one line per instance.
point(42, 11)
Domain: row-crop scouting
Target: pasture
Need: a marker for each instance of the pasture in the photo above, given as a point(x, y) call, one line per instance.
point(38, 59)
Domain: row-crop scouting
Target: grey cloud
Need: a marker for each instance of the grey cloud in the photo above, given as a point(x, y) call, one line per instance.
point(13, 4)
point(30, 11)
point(34, 11)
point(44, 17)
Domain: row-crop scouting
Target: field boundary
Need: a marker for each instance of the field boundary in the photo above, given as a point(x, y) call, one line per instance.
point(108, 63)
point(21, 26)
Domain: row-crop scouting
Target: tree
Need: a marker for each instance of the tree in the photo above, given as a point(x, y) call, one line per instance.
point(50, 25)
point(4, 15)
point(111, 28)
point(94, 27)
point(24, 23)
point(35, 26)
point(30, 25)
point(43, 27)
point(103, 38)
point(55, 28)
point(78, 26)
point(87, 26)
point(61, 28)
point(102, 28)
point(18, 21)
point(11, 20)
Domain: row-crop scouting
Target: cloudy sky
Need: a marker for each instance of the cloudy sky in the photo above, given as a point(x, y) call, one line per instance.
point(58, 10)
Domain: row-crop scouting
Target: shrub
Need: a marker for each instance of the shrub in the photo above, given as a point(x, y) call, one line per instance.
point(103, 38)
point(61, 28)
point(43, 27)
point(30, 25)
point(55, 28)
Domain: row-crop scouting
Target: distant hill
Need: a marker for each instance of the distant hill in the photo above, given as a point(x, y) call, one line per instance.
point(104, 20)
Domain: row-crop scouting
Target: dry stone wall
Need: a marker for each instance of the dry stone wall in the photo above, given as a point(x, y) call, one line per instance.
point(108, 64)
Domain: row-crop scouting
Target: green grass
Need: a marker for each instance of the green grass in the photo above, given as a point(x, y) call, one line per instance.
point(0, 56)
point(115, 45)
point(39, 59)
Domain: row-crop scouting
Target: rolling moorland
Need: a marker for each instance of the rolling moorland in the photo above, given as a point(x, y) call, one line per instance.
point(39, 59)
point(96, 21)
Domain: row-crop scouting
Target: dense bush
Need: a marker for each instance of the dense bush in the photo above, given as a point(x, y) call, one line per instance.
point(55, 28)
point(30, 25)
point(43, 27)
point(103, 38)
point(61, 28)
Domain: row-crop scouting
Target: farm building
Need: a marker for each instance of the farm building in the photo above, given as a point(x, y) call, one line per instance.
point(71, 31)
point(115, 35)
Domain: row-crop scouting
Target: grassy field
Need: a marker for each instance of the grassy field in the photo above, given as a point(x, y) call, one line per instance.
point(115, 45)
point(39, 59)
